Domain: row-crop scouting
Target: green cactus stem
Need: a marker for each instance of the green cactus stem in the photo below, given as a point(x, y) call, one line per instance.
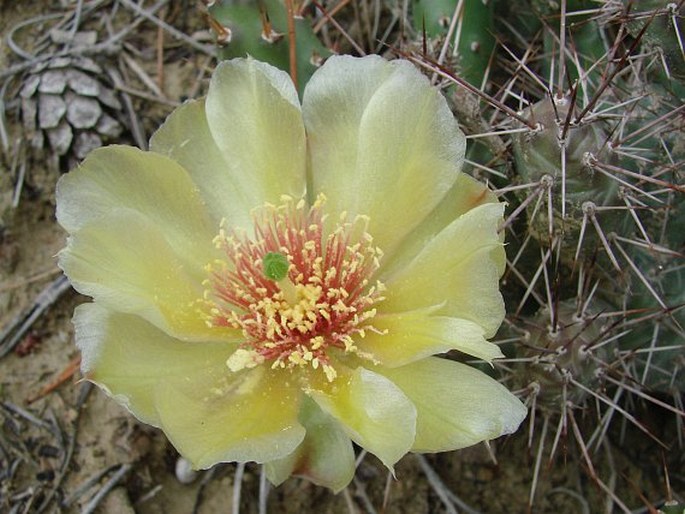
point(246, 22)
point(475, 32)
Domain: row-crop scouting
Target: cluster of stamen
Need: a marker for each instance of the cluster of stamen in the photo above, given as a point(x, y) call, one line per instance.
point(321, 304)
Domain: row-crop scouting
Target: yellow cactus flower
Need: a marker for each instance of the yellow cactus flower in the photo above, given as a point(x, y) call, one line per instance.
point(272, 280)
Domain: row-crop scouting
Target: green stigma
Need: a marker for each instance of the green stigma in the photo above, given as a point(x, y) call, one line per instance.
point(275, 266)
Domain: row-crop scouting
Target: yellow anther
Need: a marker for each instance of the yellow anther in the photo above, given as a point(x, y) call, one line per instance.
point(244, 359)
point(316, 342)
point(330, 372)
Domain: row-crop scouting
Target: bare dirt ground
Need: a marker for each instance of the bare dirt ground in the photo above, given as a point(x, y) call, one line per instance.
point(65, 447)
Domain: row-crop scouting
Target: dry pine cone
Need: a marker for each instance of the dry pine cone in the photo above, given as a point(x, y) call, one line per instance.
point(67, 109)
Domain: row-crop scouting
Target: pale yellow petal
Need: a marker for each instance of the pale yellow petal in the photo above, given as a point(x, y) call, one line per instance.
point(185, 138)
point(457, 405)
point(418, 334)
point(325, 457)
point(467, 193)
point(382, 141)
point(255, 119)
point(458, 270)
point(127, 356)
point(245, 416)
point(125, 262)
point(373, 412)
point(154, 186)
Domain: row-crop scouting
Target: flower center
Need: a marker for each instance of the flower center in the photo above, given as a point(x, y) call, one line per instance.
point(299, 293)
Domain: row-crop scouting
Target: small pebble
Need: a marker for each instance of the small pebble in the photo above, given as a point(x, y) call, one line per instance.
point(185, 472)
